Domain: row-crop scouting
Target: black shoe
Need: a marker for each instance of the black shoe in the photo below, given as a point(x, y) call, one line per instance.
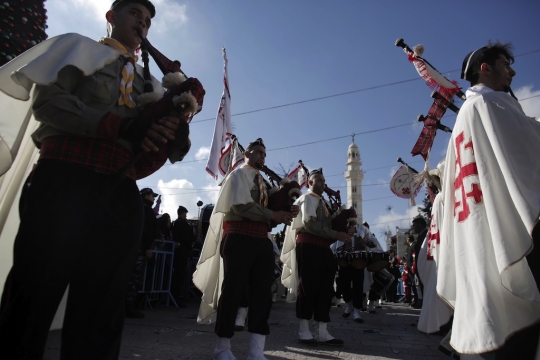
point(345, 315)
point(417, 305)
point(359, 320)
point(238, 328)
point(333, 342)
point(308, 341)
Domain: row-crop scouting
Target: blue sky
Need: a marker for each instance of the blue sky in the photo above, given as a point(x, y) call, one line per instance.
point(283, 52)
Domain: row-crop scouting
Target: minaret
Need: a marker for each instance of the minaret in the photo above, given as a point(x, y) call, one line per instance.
point(354, 177)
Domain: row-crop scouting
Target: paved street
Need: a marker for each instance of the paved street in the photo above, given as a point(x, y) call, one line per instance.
point(167, 333)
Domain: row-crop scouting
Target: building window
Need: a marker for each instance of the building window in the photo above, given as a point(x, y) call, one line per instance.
point(354, 189)
point(354, 205)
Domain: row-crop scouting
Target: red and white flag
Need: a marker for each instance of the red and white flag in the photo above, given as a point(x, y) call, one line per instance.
point(231, 157)
point(223, 128)
point(404, 185)
point(299, 175)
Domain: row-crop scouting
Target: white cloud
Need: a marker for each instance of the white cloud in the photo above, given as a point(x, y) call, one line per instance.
point(182, 192)
point(530, 104)
point(389, 221)
point(202, 153)
point(169, 15)
point(95, 8)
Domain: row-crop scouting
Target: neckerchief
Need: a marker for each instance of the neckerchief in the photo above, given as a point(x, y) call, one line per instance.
point(128, 73)
point(326, 213)
point(263, 194)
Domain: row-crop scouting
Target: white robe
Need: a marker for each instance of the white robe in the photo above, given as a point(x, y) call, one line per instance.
point(485, 239)
point(435, 312)
point(289, 277)
point(236, 190)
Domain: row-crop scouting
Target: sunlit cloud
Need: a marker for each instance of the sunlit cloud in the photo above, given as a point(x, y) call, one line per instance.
point(202, 153)
point(531, 100)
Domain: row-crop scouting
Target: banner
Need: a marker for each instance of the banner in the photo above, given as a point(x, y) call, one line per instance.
point(223, 128)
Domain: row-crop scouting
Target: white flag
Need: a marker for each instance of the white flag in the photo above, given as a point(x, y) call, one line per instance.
point(231, 157)
point(223, 128)
point(299, 175)
point(404, 185)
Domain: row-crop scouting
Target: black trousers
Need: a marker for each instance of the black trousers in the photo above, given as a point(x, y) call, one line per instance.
point(391, 293)
point(350, 275)
point(248, 264)
point(181, 259)
point(81, 228)
point(316, 273)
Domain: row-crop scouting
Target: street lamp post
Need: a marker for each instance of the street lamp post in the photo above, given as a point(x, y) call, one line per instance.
point(199, 204)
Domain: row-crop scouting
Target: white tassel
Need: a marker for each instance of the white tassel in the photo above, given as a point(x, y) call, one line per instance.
point(148, 98)
point(172, 79)
point(187, 101)
point(418, 50)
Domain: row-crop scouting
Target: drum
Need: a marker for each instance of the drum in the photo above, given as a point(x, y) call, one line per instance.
point(381, 281)
point(342, 258)
point(358, 259)
point(377, 261)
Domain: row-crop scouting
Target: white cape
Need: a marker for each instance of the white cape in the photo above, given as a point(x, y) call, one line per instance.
point(209, 274)
point(289, 277)
point(435, 312)
point(486, 277)
point(40, 65)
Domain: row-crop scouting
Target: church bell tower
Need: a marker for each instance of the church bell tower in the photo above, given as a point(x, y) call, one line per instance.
point(354, 176)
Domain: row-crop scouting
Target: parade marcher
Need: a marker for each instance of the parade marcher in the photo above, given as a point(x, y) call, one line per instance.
point(307, 249)
point(143, 254)
point(489, 234)
point(419, 227)
point(393, 268)
point(238, 229)
point(435, 312)
point(352, 279)
point(373, 298)
point(183, 237)
point(81, 212)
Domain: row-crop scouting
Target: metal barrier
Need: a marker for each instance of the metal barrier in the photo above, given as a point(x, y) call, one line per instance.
point(158, 272)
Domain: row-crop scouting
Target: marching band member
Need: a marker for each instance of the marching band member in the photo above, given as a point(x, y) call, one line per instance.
point(435, 312)
point(306, 252)
point(238, 230)
point(350, 275)
point(490, 249)
point(81, 213)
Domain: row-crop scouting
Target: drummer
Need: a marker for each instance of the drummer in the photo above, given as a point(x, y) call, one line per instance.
point(349, 275)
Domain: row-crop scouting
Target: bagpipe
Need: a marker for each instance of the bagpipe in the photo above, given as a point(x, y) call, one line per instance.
point(443, 96)
point(342, 218)
point(283, 192)
point(183, 98)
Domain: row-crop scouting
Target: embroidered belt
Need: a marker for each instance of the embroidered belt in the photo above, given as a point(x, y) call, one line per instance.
point(246, 227)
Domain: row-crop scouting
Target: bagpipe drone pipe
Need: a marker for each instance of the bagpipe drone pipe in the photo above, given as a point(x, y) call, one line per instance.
point(283, 192)
point(183, 99)
point(342, 218)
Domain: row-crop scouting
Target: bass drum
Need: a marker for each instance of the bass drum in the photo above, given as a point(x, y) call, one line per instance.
point(377, 261)
point(381, 281)
point(358, 259)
